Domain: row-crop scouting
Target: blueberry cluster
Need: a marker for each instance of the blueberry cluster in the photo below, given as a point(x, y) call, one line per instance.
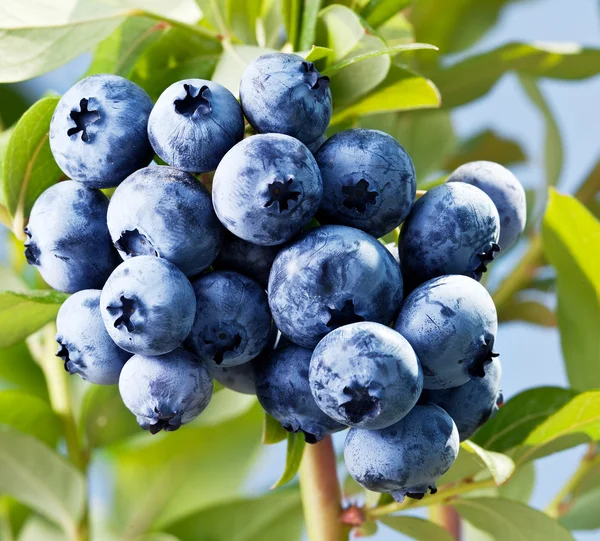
point(274, 284)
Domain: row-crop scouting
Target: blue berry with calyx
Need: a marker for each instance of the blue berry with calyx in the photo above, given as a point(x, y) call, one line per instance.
point(67, 238)
point(267, 188)
point(365, 375)
point(165, 391)
point(98, 133)
point(83, 343)
point(451, 323)
point(164, 212)
point(194, 123)
point(148, 306)
point(369, 181)
point(283, 93)
point(331, 276)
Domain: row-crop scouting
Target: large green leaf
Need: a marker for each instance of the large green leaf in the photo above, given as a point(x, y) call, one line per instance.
point(417, 528)
point(340, 30)
point(274, 517)
point(29, 414)
point(19, 371)
point(401, 90)
point(21, 314)
point(33, 474)
point(295, 449)
point(12, 106)
point(571, 238)
point(29, 167)
point(397, 31)
point(167, 477)
point(517, 418)
point(472, 78)
point(507, 520)
point(377, 12)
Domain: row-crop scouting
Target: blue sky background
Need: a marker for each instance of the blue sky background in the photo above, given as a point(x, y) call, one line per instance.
point(531, 355)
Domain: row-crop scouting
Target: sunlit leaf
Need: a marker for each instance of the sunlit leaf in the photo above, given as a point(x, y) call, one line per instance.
point(295, 449)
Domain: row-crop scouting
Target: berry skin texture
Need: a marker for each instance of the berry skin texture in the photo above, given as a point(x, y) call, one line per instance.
point(232, 323)
point(473, 403)
point(249, 259)
point(163, 212)
point(407, 458)
point(332, 276)
point(283, 93)
point(365, 375)
point(167, 391)
point(98, 133)
point(267, 188)
point(194, 123)
point(67, 238)
point(504, 189)
point(451, 323)
point(239, 378)
point(452, 229)
point(283, 391)
point(83, 343)
point(369, 181)
point(148, 306)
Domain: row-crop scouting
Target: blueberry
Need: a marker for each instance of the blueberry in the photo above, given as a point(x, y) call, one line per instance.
point(239, 378)
point(233, 322)
point(194, 123)
point(451, 323)
point(504, 189)
point(167, 391)
point(452, 229)
point(249, 259)
point(267, 188)
point(369, 181)
point(316, 145)
point(164, 212)
point(365, 375)
point(283, 93)
point(473, 403)
point(407, 458)
point(98, 133)
point(148, 306)
point(83, 343)
point(283, 391)
point(67, 238)
point(332, 276)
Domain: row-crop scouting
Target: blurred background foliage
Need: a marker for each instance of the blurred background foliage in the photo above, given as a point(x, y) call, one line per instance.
point(73, 463)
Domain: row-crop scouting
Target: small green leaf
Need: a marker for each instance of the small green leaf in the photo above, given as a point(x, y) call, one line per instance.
point(507, 520)
point(30, 415)
point(308, 31)
point(571, 238)
point(401, 90)
point(33, 474)
point(19, 371)
point(553, 147)
point(511, 426)
point(295, 449)
point(417, 528)
point(21, 314)
point(317, 53)
point(273, 432)
point(29, 167)
point(340, 31)
point(377, 12)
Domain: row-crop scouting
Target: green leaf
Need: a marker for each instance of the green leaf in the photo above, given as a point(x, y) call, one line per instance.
point(486, 145)
point(397, 31)
point(401, 90)
point(29, 167)
point(308, 31)
point(243, 19)
point(292, 13)
point(119, 52)
point(33, 474)
point(12, 106)
point(273, 517)
point(520, 486)
point(19, 371)
point(417, 528)
point(37, 528)
point(571, 237)
point(30, 415)
point(293, 458)
point(522, 309)
point(377, 12)
point(273, 432)
point(516, 419)
point(507, 520)
point(472, 78)
point(214, 13)
point(553, 147)
point(317, 53)
point(225, 406)
point(340, 30)
point(582, 513)
point(232, 64)
point(21, 314)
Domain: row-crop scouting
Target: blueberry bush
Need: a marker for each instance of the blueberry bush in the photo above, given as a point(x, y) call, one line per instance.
point(264, 109)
